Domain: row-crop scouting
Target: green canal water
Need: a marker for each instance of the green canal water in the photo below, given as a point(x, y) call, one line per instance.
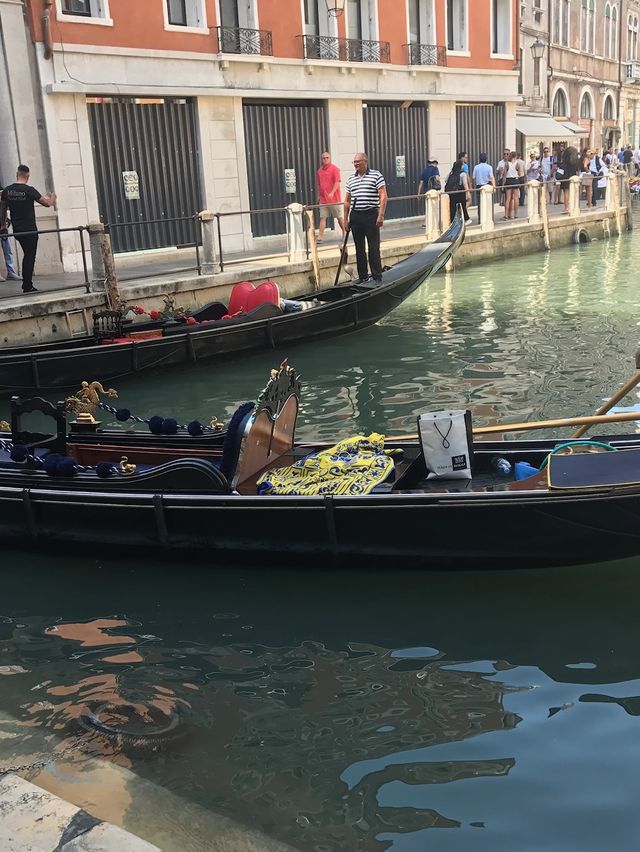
point(493, 712)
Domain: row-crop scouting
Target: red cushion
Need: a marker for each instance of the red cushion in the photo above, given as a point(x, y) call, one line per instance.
point(239, 295)
point(266, 293)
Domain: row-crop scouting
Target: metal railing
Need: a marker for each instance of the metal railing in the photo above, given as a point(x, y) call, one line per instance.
point(195, 244)
point(426, 54)
point(345, 49)
point(79, 229)
point(245, 41)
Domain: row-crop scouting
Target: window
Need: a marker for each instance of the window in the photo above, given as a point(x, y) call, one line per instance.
point(607, 31)
point(457, 25)
point(586, 106)
point(537, 11)
point(421, 22)
point(185, 13)
point(501, 27)
point(560, 106)
point(560, 30)
point(632, 38)
point(311, 17)
point(614, 32)
point(608, 111)
point(588, 26)
point(76, 7)
point(92, 11)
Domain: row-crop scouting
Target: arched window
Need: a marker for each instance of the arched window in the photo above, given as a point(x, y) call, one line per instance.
point(586, 106)
point(632, 38)
point(614, 32)
point(560, 106)
point(591, 20)
point(584, 25)
point(607, 31)
point(608, 111)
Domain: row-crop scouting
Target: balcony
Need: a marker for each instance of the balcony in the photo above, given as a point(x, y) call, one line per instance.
point(345, 49)
point(633, 71)
point(426, 54)
point(240, 40)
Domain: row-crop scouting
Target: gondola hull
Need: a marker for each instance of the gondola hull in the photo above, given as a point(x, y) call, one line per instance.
point(493, 526)
point(48, 367)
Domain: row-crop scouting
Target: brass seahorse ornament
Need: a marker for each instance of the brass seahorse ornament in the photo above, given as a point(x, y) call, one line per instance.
point(87, 399)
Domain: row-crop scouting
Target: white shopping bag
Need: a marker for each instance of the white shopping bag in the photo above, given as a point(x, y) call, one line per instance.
point(447, 444)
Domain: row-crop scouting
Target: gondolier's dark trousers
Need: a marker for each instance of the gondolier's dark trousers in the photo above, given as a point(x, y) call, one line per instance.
point(29, 245)
point(363, 227)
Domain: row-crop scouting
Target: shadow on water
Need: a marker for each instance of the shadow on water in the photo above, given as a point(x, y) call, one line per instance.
point(342, 711)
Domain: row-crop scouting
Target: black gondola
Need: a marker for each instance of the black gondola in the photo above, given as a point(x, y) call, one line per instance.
point(183, 494)
point(337, 310)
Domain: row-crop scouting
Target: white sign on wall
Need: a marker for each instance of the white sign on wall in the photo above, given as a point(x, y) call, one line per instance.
point(131, 183)
point(290, 181)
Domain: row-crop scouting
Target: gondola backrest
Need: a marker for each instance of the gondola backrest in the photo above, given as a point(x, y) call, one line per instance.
point(19, 435)
point(260, 433)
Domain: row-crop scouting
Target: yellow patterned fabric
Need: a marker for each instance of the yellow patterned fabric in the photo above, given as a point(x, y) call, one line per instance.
point(353, 466)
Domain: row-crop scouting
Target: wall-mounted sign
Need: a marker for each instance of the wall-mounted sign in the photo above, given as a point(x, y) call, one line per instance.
point(401, 166)
point(290, 180)
point(131, 183)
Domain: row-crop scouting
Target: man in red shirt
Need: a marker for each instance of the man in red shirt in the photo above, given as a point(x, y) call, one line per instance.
point(329, 196)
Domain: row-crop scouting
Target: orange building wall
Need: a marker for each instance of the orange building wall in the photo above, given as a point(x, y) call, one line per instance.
point(140, 24)
point(284, 19)
point(136, 23)
point(392, 27)
point(479, 37)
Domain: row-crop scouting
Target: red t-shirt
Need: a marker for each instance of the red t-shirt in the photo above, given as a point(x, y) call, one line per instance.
point(327, 177)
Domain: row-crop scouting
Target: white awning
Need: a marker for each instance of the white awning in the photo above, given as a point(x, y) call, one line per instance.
point(542, 127)
point(576, 128)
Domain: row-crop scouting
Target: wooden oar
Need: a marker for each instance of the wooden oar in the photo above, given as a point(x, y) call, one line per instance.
point(630, 385)
point(345, 251)
point(590, 420)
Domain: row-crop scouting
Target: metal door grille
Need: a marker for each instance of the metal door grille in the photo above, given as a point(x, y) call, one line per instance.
point(278, 137)
point(481, 128)
point(391, 131)
point(158, 140)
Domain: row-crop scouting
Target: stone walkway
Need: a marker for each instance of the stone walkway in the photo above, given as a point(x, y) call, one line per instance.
point(32, 819)
point(158, 266)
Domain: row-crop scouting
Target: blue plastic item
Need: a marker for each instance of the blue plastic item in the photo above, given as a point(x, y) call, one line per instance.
point(524, 470)
point(501, 466)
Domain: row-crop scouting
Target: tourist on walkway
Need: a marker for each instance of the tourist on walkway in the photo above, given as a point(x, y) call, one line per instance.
point(585, 174)
point(430, 177)
point(501, 168)
point(458, 188)
point(597, 169)
point(513, 179)
point(482, 176)
point(18, 199)
point(568, 168)
point(366, 188)
point(547, 169)
point(533, 169)
point(328, 194)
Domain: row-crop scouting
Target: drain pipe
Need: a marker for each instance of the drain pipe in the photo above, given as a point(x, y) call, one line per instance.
point(46, 30)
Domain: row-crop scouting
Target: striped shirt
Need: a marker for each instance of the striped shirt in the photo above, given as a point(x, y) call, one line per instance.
point(363, 189)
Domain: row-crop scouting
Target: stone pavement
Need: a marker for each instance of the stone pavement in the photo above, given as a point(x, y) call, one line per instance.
point(32, 819)
point(178, 264)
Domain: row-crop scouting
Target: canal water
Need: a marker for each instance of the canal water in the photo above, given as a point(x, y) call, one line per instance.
point(333, 711)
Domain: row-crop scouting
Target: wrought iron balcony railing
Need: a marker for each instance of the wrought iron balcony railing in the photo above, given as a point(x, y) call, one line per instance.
point(345, 49)
point(240, 40)
point(427, 54)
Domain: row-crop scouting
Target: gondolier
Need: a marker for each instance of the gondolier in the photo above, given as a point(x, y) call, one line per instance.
point(366, 190)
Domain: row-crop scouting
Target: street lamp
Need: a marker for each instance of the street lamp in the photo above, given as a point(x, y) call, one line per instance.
point(335, 7)
point(537, 49)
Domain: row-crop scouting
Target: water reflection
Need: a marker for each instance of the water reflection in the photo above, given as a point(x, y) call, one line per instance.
point(546, 335)
point(341, 711)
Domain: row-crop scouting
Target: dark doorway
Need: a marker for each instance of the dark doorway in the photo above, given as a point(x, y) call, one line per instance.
point(155, 140)
point(284, 144)
point(396, 142)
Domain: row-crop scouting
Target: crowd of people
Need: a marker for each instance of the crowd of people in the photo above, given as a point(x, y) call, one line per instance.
point(553, 168)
